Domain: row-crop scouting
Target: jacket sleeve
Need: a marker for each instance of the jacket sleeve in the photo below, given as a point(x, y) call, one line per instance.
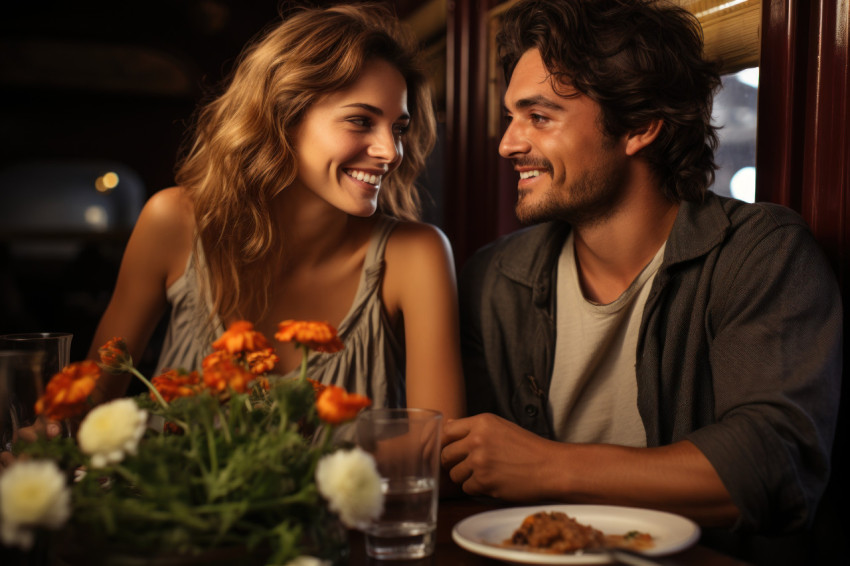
point(506, 338)
point(776, 358)
point(481, 389)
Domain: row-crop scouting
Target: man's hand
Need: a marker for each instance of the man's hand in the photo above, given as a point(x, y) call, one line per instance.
point(488, 455)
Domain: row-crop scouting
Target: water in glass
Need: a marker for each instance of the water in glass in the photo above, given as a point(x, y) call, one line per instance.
point(406, 528)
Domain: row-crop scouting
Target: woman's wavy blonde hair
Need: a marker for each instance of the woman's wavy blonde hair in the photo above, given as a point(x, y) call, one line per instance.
point(242, 152)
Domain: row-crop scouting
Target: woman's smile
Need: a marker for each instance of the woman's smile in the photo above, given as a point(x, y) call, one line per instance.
point(351, 139)
point(364, 176)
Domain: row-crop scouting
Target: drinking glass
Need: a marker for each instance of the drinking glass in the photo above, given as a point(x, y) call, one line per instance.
point(20, 387)
point(406, 446)
point(55, 345)
point(29, 380)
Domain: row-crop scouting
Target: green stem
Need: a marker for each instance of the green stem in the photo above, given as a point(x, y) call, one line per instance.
point(211, 447)
point(326, 441)
point(150, 386)
point(303, 496)
point(283, 422)
point(323, 450)
point(304, 352)
point(195, 455)
point(166, 517)
point(225, 425)
point(128, 475)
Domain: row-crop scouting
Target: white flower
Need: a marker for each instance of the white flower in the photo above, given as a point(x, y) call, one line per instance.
point(33, 493)
point(307, 561)
point(349, 480)
point(112, 430)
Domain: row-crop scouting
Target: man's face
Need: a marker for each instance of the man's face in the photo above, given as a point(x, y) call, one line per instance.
point(569, 170)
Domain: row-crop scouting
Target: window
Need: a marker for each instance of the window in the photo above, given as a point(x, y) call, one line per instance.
point(735, 114)
point(731, 32)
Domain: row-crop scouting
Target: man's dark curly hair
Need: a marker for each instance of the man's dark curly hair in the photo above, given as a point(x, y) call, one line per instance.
point(640, 60)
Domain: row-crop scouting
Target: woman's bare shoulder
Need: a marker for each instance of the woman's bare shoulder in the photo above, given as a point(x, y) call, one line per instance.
point(417, 237)
point(168, 216)
point(417, 255)
point(170, 205)
point(165, 231)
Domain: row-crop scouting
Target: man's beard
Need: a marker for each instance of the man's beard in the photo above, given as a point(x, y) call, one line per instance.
point(588, 200)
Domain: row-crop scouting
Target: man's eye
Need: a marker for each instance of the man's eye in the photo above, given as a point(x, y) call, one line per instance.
point(538, 119)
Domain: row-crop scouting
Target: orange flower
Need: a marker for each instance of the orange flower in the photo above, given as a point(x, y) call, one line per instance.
point(317, 386)
point(261, 361)
point(223, 373)
point(241, 337)
point(335, 405)
point(318, 336)
point(114, 355)
point(215, 357)
point(173, 384)
point(66, 394)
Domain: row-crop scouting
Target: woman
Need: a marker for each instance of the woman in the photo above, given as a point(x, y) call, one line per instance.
point(296, 201)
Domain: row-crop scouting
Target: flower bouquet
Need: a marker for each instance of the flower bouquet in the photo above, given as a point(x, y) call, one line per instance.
point(226, 457)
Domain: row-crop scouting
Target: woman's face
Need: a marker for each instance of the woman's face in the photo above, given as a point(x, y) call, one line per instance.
point(350, 140)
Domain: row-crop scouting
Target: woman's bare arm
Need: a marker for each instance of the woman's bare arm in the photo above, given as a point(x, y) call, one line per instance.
point(155, 256)
point(420, 282)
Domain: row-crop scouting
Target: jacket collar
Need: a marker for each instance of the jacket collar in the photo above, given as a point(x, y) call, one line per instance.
point(529, 256)
point(698, 228)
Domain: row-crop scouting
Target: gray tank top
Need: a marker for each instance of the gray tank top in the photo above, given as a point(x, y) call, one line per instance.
point(371, 364)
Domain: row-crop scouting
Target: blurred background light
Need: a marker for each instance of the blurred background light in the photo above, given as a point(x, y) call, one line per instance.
point(749, 77)
point(743, 184)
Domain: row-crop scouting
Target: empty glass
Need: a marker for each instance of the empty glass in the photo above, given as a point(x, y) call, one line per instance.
point(20, 387)
point(28, 361)
point(55, 345)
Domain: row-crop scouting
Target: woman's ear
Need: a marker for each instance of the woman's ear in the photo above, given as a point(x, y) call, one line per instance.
point(638, 139)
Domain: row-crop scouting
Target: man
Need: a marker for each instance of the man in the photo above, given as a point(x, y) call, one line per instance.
point(647, 343)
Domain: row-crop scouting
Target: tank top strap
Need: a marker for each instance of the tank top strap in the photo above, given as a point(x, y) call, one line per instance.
point(378, 245)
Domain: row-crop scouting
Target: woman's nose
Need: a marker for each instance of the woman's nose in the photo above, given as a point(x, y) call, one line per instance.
point(385, 146)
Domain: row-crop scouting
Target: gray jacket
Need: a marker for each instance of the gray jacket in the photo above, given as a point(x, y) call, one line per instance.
point(739, 348)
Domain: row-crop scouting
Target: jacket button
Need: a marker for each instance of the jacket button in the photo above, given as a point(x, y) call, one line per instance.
point(531, 410)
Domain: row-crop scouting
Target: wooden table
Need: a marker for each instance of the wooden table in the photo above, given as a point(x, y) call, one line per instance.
point(448, 553)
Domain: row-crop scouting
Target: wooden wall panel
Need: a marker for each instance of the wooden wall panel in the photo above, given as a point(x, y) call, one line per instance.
point(803, 161)
point(478, 207)
point(803, 152)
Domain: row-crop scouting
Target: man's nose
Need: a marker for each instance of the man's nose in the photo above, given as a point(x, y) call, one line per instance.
point(513, 142)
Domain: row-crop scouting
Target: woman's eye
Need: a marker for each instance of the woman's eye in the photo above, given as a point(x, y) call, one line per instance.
point(400, 129)
point(361, 122)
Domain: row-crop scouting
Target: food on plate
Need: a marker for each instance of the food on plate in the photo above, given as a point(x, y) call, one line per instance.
point(558, 533)
point(634, 540)
point(555, 532)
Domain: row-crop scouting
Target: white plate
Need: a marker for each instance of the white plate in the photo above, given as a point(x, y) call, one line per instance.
point(485, 532)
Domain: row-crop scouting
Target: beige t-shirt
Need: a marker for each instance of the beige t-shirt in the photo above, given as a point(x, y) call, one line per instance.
point(593, 391)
